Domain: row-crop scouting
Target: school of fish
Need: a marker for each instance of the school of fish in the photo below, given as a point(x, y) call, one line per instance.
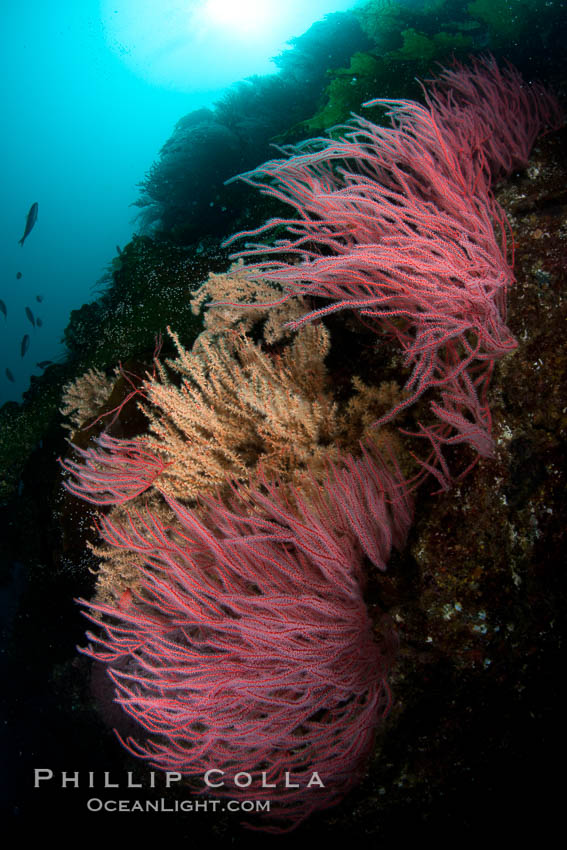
point(34, 320)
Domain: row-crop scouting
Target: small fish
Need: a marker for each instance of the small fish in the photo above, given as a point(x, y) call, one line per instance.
point(3, 309)
point(18, 275)
point(30, 221)
point(29, 314)
point(25, 344)
point(10, 376)
point(43, 363)
point(38, 322)
point(39, 298)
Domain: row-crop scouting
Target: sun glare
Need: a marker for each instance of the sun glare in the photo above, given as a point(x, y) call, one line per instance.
point(246, 16)
point(204, 45)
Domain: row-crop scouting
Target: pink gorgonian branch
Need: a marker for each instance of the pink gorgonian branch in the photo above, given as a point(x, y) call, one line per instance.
point(112, 473)
point(248, 647)
point(493, 115)
point(398, 235)
point(400, 224)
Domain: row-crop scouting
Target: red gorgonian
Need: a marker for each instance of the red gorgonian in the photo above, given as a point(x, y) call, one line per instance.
point(400, 224)
point(248, 648)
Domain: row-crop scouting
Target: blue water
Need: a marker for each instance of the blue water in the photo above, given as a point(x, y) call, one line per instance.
point(90, 92)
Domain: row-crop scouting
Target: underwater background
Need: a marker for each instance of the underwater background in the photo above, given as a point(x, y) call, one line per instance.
point(124, 121)
point(89, 100)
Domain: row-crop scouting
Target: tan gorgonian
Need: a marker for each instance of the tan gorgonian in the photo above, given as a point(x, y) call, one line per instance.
point(236, 406)
point(118, 573)
point(227, 410)
point(356, 420)
point(367, 404)
point(245, 301)
point(238, 411)
point(83, 397)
